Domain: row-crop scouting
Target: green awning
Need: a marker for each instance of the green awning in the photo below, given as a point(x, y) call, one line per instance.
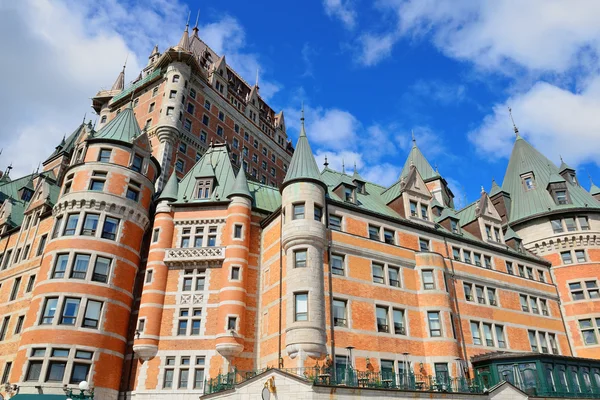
point(39, 397)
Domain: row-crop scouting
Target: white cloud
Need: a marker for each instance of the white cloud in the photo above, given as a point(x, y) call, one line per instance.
point(341, 9)
point(375, 48)
point(56, 68)
point(330, 128)
point(460, 194)
point(383, 174)
point(430, 142)
point(542, 35)
point(339, 159)
point(554, 120)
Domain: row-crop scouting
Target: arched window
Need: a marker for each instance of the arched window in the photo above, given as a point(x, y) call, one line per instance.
point(103, 119)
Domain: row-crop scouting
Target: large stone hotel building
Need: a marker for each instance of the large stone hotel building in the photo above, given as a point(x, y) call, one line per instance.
point(183, 248)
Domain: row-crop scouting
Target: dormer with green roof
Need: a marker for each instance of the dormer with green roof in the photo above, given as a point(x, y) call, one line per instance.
point(436, 184)
point(594, 190)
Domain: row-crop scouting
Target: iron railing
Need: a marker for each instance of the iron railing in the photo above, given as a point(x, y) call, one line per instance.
point(350, 377)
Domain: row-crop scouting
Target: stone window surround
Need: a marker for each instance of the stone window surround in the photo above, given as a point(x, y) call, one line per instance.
point(243, 232)
point(441, 321)
point(574, 259)
point(149, 273)
point(493, 325)
point(230, 272)
point(177, 317)
point(78, 229)
point(72, 253)
point(419, 202)
point(485, 294)
point(390, 307)
point(584, 288)
point(193, 224)
point(237, 322)
point(80, 313)
point(195, 274)
point(386, 275)
point(546, 339)
point(70, 360)
point(156, 231)
point(177, 367)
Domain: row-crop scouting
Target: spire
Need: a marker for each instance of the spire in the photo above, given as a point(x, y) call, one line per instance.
point(303, 166)
point(195, 30)
point(513, 122)
point(240, 186)
point(154, 51)
point(416, 158)
point(120, 82)
point(184, 42)
point(495, 188)
point(326, 163)
point(170, 190)
point(563, 166)
point(343, 167)
point(256, 84)
point(413, 138)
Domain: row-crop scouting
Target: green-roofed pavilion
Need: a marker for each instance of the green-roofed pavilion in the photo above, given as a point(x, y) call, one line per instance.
point(123, 128)
point(525, 161)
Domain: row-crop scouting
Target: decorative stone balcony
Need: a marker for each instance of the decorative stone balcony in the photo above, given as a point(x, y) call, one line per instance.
point(194, 256)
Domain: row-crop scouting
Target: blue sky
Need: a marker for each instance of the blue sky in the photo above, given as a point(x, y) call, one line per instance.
point(369, 73)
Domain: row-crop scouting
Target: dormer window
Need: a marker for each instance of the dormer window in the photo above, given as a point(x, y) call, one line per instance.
point(360, 186)
point(203, 188)
point(137, 162)
point(560, 196)
point(573, 179)
point(528, 181)
point(413, 208)
point(349, 194)
point(27, 194)
point(454, 226)
point(424, 212)
point(488, 232)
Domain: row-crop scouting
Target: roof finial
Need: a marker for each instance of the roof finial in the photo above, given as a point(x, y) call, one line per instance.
point(84, 115)
point(187, 24)
point(413, 137)
point(482, 190)
point(343, 167)
point(7, 173)
point(513, 122)
point(197, 19)
point(125, 63)
point(302, 131)
point(256, 77)
point(354, 167)
point(326, 164)
point(561, 159)
point(590, 178)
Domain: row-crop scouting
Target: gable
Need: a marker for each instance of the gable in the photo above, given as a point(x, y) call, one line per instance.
point(487, 209)
point(506, 391)
point(416, 185)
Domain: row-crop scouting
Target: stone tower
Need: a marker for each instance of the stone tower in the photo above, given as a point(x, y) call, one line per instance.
point(304, 240)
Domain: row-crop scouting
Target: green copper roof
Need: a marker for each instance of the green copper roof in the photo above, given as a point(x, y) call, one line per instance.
point(303, 165)
point(240, 186)
point(447, 213)
point(510, 234)
point(564, 166)
point(123, 128)
point(594, 189)
point(66, 145)
point(169, 192)
point(468, 214)
point(555, 178)
point(527, 203)
point(417, 158)
point(495, 188)
point(264, 197)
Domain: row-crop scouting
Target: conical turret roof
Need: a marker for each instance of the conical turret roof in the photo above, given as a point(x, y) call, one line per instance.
point(123, 128)
point(184, 42)
point(120, 82)
point(240, 186)
point(495, 188)
point(169, 192)
point(303, 166)
point(528, 202)
point(416, 158)
point(564, 166)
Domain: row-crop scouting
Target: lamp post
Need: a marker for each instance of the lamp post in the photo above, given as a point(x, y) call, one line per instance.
point(85, 393)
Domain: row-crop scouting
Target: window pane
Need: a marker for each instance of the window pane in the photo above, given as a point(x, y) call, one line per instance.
point(34, 370)
point(61, 266)
point(71, 224)
point(92, 314)
point(109, 230)
point(79, 373)
point(80, 266)
point(56, 371)
point(101, 269)
point(90, 224)
point(69, 313)
point(301, 307)
point(49, 310)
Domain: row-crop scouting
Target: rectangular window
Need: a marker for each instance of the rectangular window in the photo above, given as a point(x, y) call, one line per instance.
point(318, 211)
point(237, 231)
point(566, 257)
point(423, 245)
point(588, 332)
point(561, 197)
point(56, 371)
point(491, 293)
point(500, 336)
point(301, 307)
point(30, 284)
point(109, 230)
point(34, 370)
point(592, 289)
point(80, 266)
point(378, 276)
point(475, 333)
point(168, 381)
point(337, 264)
point(91, 317)
point(374, 232)
point(298, 211)
point(524, 303)
point(335, 222)
point(468, 289)
point(454, 226)
point(57, 227)
point(487, 333)
point(79, 373)
point(394, 276)
point(339, 313)
point(487, 261)
point(179, 165)
point(576, 291)
point(182, 327)
point(509, 268)
point(101, 268)
point(488, 232)
point(544, 307)
point(41, 245)
point(413, 209)
point(90, 224)
point(300, 258)
point(71, 226)
point(132, 193)
point(435, 327)
point(205, 120)
point(557, 226)
point(104, 155)
point(456, 254)
point(583, 223)
point(388, 236)
point(155, 234)
point(235, 273)
point(428, 281)
point(381, 314)
point(4, 327)
point(570, 223)
point(183, 378)
point(149, 274)
point(6, 373)
point(424, 212)
point(49, 310)
point(97, 181)
point(15, 289)
point(480, 295)
point(69, 311)
point(398, 316)
point(198, 378)
point(533, 341)
point(477, 258)
point(580, 256)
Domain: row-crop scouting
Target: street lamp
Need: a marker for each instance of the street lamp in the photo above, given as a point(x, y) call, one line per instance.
point(85, 393)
